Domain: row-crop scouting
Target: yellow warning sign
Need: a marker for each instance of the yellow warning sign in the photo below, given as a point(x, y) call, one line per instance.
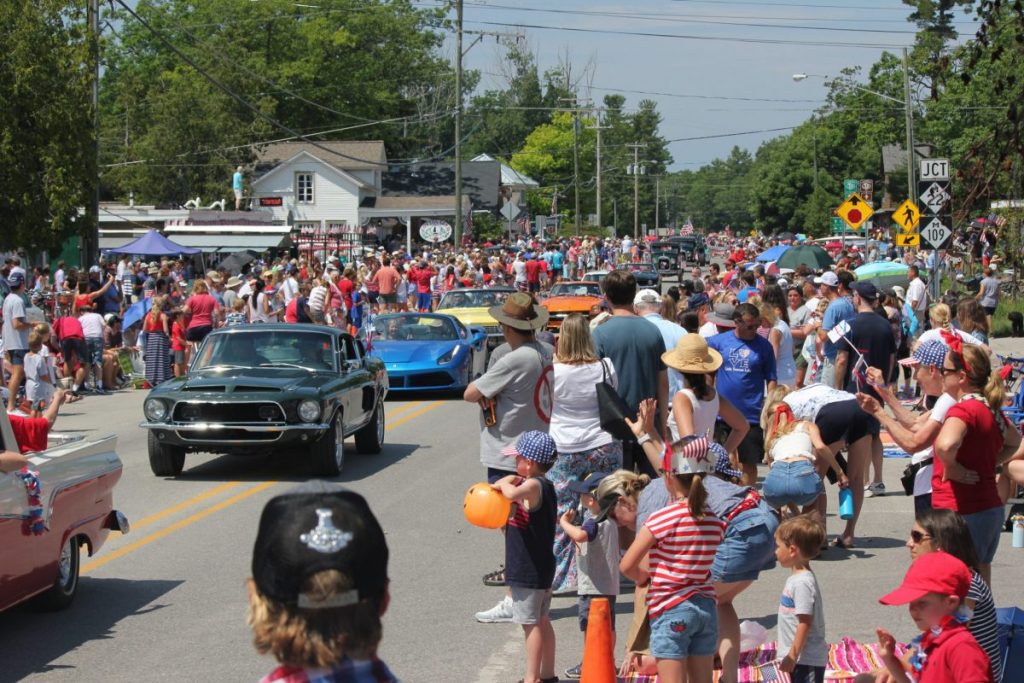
point(907, 216)
point(908, 239)
point(855, 211)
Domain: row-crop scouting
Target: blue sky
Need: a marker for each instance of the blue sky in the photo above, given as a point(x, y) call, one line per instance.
point(701, 65)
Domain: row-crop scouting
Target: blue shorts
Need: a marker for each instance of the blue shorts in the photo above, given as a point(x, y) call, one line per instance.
point(748, 547)
point(16, 356)
point(985, 527)
point(95, 346)
point(690, 629)
point(423, 300)
point(792, 482)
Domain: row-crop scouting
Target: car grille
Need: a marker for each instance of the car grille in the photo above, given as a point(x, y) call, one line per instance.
point(208, 411)
point(221, 435)
point(420, 380)
point(492, 329)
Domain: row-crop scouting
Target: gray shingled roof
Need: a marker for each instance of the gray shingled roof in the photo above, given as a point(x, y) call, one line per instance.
point(359, 154)
point(481, 181)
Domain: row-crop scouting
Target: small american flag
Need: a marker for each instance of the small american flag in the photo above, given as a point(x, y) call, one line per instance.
point(687, 228)
point(770, 673)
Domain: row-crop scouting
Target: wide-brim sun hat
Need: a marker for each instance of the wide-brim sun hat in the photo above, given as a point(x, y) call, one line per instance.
point(692, 354)
point(520, 312)
point(721, 315)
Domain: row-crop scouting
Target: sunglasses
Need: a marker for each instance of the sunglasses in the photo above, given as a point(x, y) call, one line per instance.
point(918, 536)
point(947, 371)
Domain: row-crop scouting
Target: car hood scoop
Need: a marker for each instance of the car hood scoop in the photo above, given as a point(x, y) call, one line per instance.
point(248, 380)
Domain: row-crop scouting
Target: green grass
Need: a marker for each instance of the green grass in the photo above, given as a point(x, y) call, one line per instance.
point(1000, 322)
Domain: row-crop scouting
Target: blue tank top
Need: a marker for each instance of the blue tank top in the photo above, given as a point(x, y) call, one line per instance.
point(530, 541)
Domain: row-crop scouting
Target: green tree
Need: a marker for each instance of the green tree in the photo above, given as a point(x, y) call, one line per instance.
point(47, 164)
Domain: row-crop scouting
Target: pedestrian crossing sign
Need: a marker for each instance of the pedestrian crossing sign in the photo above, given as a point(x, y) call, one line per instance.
point(907, 216)
point(908, 239)
point(855, 211)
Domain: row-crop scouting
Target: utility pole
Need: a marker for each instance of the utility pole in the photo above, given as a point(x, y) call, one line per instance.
point(657, 204)
point(91, 243)
point(598, 127)
point(636, 170)
point(457, 232)
point(909, 111)
point(576, 164)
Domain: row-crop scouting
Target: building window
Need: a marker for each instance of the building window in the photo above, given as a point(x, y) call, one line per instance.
point(304, 188)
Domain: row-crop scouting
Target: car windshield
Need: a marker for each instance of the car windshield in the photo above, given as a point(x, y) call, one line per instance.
point(576, 289)
point(473, 298)
point(263, 348)
point(638, 267)
point(412, 327)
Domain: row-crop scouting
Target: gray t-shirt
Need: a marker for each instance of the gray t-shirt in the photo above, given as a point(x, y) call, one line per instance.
point(654, 497)
point(521, 382)
point(634, 346)
point(802, 596)
point(14, 340)
point(990, 292)
point(798, 318)
point(597, 561)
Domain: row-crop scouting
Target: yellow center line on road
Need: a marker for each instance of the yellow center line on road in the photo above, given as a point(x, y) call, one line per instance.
point(180, 524)
point(228, 502)
point(167, 512)
point(410, 416)
point(401, 409)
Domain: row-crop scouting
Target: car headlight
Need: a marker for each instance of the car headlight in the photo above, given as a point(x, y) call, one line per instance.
point(309, 411)
point(448, 356)
point(155, 410)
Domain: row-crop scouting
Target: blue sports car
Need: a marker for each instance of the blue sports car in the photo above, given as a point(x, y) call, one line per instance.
point(428, 351)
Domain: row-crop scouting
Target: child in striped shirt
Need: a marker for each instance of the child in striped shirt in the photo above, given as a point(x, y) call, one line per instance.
point(682, 539)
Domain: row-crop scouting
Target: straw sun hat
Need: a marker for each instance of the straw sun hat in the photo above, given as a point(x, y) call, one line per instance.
point(692, 354)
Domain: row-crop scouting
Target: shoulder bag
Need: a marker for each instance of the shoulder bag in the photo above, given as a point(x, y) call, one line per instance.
point(612, 410)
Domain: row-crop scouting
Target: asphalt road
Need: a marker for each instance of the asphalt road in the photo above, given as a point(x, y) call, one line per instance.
point(167, 601)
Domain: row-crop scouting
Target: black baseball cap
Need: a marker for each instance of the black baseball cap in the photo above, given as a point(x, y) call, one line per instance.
point(588, 484)
point(316, 527)
point(866, 290)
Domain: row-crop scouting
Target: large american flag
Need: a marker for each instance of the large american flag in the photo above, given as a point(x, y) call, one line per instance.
point(687, 228)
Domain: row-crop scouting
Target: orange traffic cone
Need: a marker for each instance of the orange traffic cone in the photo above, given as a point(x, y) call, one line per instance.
point(598, 655)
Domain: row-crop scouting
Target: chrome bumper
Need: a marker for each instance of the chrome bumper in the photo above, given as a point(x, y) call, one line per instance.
point(207, 426)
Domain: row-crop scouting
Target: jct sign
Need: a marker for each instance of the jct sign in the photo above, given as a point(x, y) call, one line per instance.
point(934, 169)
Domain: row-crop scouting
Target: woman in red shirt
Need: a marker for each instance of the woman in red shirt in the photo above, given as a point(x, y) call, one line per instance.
point(203, 309)
point(974, 440)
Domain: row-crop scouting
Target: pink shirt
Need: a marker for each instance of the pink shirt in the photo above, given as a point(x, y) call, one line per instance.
point(202, 307)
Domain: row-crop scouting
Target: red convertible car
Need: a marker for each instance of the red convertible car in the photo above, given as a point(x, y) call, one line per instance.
point(76, 478)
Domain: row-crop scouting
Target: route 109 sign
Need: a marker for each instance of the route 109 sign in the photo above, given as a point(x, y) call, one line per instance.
point(435, 231)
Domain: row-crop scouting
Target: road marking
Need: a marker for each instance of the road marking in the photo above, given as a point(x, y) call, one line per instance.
point(167, 512)
point(410, 416)
point(192, 519)
point(180, 524)
point(402, 408)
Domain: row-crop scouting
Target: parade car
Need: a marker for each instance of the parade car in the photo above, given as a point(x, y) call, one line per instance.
point(645, 274)
point(566, 298)
point(692, 249)
point(262, 388)
point(470, 307)
point(75, 504)
point(666, 257)
point(428, 351)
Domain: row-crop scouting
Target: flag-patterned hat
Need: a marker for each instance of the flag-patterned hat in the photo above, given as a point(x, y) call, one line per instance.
point(689, 456)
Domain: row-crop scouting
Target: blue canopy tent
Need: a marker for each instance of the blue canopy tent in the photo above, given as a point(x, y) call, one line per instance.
point(772, 254)
point(154, 244)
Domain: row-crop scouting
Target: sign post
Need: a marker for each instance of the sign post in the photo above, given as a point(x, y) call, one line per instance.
point(937, 219)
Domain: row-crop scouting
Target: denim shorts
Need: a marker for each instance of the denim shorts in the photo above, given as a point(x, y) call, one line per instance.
point(748, 547)
point(16, 356)
point(95, 346)
point(792, 482)
point(690, 629)
point(985, 527)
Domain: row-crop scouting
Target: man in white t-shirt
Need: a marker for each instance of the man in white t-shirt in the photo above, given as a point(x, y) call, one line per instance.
point(917, 297)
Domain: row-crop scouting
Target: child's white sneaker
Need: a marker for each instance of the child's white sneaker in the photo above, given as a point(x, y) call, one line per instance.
point(500, 613)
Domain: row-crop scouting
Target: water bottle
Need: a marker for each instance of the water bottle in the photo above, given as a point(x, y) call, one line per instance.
point(845, 503)
point(1018, 531)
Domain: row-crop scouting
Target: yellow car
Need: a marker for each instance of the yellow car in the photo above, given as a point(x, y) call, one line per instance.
point(470, 306)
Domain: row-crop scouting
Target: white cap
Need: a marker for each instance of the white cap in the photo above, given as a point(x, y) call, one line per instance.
point(647, 296)
point(827, 278)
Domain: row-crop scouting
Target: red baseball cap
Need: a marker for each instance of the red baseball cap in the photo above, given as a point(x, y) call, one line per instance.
point(936, 572)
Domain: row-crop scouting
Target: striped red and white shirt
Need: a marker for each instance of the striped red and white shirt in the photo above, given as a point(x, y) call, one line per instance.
point(681, 558)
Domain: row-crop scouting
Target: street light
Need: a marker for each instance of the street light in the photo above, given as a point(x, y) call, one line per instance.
point(907, 105)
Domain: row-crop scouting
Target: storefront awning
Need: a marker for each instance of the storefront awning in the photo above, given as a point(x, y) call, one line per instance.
point(232, 243)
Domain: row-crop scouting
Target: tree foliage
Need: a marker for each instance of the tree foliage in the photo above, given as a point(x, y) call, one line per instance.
point(47, 164)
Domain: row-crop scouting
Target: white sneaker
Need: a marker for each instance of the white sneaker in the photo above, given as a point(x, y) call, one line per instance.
point(874, 489)
point(500, 613)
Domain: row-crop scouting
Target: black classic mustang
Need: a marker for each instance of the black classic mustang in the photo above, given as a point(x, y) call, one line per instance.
point(258, 388)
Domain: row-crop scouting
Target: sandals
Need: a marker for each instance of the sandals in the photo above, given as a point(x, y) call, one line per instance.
point(841, 544)
point(495, 578)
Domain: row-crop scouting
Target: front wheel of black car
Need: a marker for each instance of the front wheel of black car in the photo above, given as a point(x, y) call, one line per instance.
point(165, 460)
point(370, 439)
point(329, 452)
